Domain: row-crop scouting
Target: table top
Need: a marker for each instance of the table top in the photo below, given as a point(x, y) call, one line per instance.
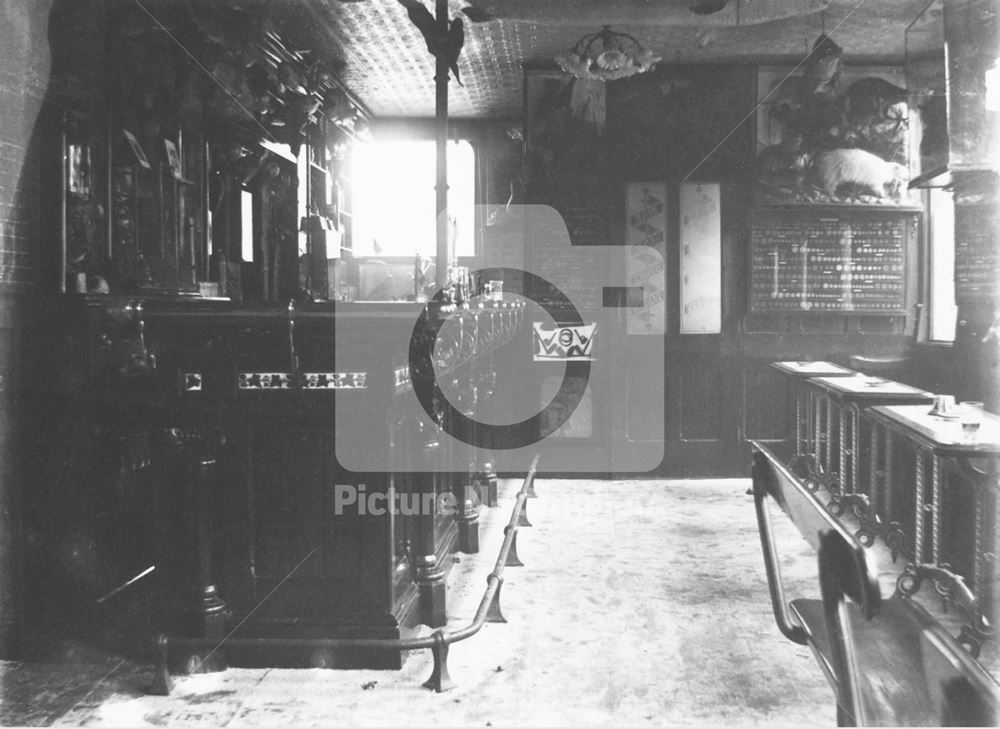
point(942, 433)
point(870, 390)
point(811, 369)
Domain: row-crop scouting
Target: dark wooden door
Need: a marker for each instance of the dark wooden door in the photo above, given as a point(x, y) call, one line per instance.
point(700, 380)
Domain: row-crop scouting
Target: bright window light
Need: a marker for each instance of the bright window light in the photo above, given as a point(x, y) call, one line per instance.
point(941, 326)
point(395, 202)
point(246, 227)
point(993, 87)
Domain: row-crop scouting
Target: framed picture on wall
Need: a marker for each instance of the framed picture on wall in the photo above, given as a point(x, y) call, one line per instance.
point(173, 159)
point(839, 139)
point(136, 148)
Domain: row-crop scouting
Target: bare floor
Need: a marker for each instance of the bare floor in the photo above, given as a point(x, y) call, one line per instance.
point(640, 602)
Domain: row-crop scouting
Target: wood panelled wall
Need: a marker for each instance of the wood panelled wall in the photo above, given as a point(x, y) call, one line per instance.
point(694, 124)
point(24, 76)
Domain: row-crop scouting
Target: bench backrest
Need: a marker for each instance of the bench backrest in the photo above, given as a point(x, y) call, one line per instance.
point(772, 479)
point(892, 662)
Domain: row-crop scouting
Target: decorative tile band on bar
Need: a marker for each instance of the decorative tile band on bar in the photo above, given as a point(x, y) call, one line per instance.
point(303, 380)
point(401, 377)
point(438, 642)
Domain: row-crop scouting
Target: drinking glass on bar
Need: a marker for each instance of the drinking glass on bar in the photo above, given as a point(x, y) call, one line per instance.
point(970, 416)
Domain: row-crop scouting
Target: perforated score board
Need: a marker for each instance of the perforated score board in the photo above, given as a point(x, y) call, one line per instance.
point(804, 262)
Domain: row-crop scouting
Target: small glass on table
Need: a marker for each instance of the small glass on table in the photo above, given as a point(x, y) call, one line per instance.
point(970, 415)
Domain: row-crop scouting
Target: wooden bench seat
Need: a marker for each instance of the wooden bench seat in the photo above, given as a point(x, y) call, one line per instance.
point(888, 660)
point(899, 683)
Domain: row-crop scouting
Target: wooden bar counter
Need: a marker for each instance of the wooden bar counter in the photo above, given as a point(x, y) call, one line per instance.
point(797, 371)
point(836, 408)
point(947, 503)
point(207, 441)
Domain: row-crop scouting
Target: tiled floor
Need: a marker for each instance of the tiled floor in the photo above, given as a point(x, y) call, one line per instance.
point(640, 602)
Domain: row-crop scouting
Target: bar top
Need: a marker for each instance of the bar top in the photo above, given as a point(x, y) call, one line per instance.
point(943, 432)
point(876, 388)
point(811, 369)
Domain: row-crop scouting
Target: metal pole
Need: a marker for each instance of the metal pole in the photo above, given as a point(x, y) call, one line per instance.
point(205, 243)
point(441, 128)
point(63, 202)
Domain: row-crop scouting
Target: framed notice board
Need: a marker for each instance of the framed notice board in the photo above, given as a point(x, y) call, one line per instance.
point(830, 260)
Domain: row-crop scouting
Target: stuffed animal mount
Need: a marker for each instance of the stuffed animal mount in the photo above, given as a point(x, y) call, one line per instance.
point(833, 144)
point(861, 172)
point(848, 175)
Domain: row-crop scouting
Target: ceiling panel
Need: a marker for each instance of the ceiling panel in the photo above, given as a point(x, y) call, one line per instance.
point(386, 63)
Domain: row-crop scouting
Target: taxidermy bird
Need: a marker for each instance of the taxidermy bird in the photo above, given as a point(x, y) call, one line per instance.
point(823, 67)
point(443, 44)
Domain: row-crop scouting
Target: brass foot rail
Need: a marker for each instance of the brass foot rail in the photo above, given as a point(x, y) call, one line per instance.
point(437, 642)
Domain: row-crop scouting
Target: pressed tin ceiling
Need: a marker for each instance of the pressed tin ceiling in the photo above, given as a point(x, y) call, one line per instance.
point(386, 63)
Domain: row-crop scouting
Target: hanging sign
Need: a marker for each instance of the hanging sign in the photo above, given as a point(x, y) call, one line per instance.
point(646, 211)
point(701, 259)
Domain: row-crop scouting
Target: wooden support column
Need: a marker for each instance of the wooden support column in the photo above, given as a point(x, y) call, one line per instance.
point(209, 611)
point(12, 479)
point(464, 484)
point(430, 574)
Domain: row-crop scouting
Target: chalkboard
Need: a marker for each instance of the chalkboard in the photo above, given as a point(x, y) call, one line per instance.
point(590, 225)
point(580, 274)
point(977, 248)
point(820, 263)
point(578, 271)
